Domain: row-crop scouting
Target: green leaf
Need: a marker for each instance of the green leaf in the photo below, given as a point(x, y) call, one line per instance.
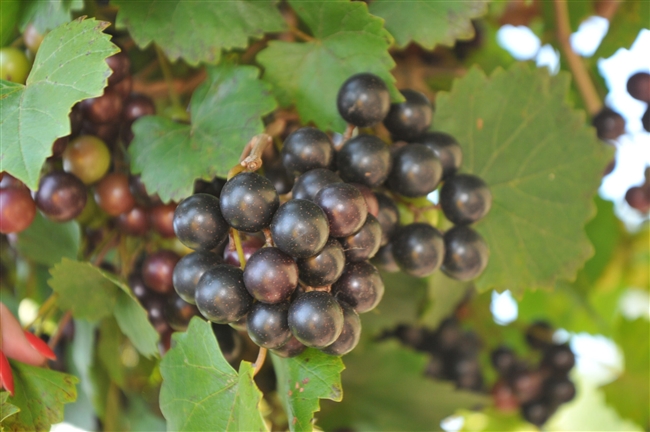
point(133, 321)
point(201, 391)
point(542, 163)
point(47, 242)
point(429, 22)
point(40, 394)
point(305, 379)
point(48, 14)
point(385, 390)
point(6, 409)
point(226, 113)
point(628, 21)
point(198, 31)
point(109, 349)
point(35, 115)
point(8, 19)
point(348, 40)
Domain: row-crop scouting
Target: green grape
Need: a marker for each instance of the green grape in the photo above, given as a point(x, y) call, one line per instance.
point(14, 65)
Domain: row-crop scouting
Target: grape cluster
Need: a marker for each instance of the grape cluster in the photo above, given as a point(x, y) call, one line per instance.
point(537, 391)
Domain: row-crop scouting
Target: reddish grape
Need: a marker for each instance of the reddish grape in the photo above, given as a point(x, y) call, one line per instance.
point(113, 195)
point(17, 209)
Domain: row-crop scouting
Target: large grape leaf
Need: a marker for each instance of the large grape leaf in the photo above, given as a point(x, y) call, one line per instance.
point(347, 40)
point(70, 66)
point(303, 381)
point(198, 31)
point(48, 14)
point(226, 113)
point(385, 389)
point(542, 163)
point(46, 242)
point(6, 409)
point(40, 394)
point(201, 391)
point(429, 22)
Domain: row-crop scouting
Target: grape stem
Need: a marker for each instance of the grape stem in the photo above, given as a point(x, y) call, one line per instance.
point(59, 330)
point(240, 251)
point(259, 361)
point(267, 237)
point(302, 35)
point(415, 210)
point(349, 130)
point(108, 244)
point(251, 157)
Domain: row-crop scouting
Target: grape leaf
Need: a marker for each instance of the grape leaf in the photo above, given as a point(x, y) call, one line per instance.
point(429, 22)
point(201, 391)
point(305, 379)
point(109, 343)
point(393, 394)
point(70, 66)
point(348, 40)
point(46, 242)
point(134, 323)
point(48, 14)
point(198, 32)
point(40, 394)
point(6, 409)
point(542, 164)
point(226, 113)
point(630, 18)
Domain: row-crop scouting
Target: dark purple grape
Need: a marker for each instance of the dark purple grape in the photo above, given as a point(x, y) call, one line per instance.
point(448, 335)
point(61, 196)
point(369, 197)
point(536, 412)
point(503, 360)
point(306, 149)
point(221, 295)
point(162, 219)
point(466, 254)
point(609, 124)
point(268, 326)
point(106, 108)
point(559, 358)
point(385, 260)
point(198, 222)
point(527, 384)
point(638, 197)
point(446, 149)
point(120, 64)
point(155, 306)
point(311, 182)
point(113, 194)
point(539, 335)
point(363, 100)
point(325, 267)
point(316, 319)
point(418, 249)
point(360, 286)
point(465, 199)
point(248, 202)
point(364, 159)
point(388, 217)
point(344, 207)
point(158, 269)
point(416, 171)
point(638, 86)
point(365, 243)
point(645, 120)
point(249, 244)
point(178, 312)
point(465, 371)
point(290, 349)
point(559, 390)
point(350, 335)
point(135, 222)
point(409, 119)
point(300, 228)
point(139, 289)
point(136, 106)
point(189, 270)
point(271, 276)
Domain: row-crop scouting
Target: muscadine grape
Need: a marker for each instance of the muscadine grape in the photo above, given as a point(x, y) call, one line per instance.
point(638, 197)
point(536, 412)
point(189, 270)
point(155, 306)
point(363, 100)
point(409, 119)
point(300, 228)
point(248, 202)
point(134, 222)
point(157, 271)
point(290, 349)
point(360, 286)
point(365, 243)
point(539, 334)
point(369, 197)
point(14, 65)
point(249, 244)
point(178, 312)
point(17, 209)
point(162, 219)
point(350, 335)
point(305, 149)
point(87, 157)
point(221, 296)
point(527, 384)
point(416, 171)
point(609, 124)
point(277, 174)
point(113, 195)
point(271, 276)
point(344, 207)
point(465, 199)
point(364, 159)
point(385, 260)
point(198, 222)
point(559, 358)
point(32, 38)
point(559, 390)
point(325, 267)
point(139, 289)
point(268, 324)
point(136, 106)
point(316, 319)
point(638, 86)
point(418, 249)
point(388, 217)
point(106, 108)
point(446, 149)
point(503, 360)
point(310, 183)
point(120, 64)
point(466, 253)
point(61, 196)
point(645, 120)
point(124, 87)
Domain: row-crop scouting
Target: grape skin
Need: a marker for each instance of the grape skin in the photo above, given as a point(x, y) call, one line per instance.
point(221, 296)
point(360, 286)
point(316, 319)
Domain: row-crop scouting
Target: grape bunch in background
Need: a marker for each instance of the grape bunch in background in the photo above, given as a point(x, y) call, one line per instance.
point(297, 241)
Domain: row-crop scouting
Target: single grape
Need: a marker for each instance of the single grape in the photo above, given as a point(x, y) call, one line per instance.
point(158, 269)
point(249, 244)
point(162, 219)
point(310, 183)
point(221, 296)
point(387, 216)
point(466, 371)
point(316, 319)
point(364, 159)
point(325, 267)
point(409, 119)
point(465, 199)
point(527, 384)
point(248, 202)
point(446, 149)
point(369, 197)
point(139, 289)
point(61, 196)
point(178, 312)
point(136, 106)
point(418, 249)
point(638, 197)
point(536, 412)
point(32, 38)
point(385, 260)
point(365, 243)
point(14, 65)
point(134, 222)
point(363, 100)
point(638, 86)
point(360, 286)
point(466, 254)
point(503, 360)
point(305, 149)
point(155, 306)
point(350, 335)
point(106, 108)
point(609, 124)
point(121, 67)
point(271, 276)
point(559, 390)
point(113, 195)
point(268, 325)
point(17, 209)
point(88, 158)
point(290, 349)
point(448, 335)
point(300, 228)
point(416, 171)
point(539, 335)
point(559, 358)
point(124, 87)
point(189, 270)
point(198, 223)
point(344, 207)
